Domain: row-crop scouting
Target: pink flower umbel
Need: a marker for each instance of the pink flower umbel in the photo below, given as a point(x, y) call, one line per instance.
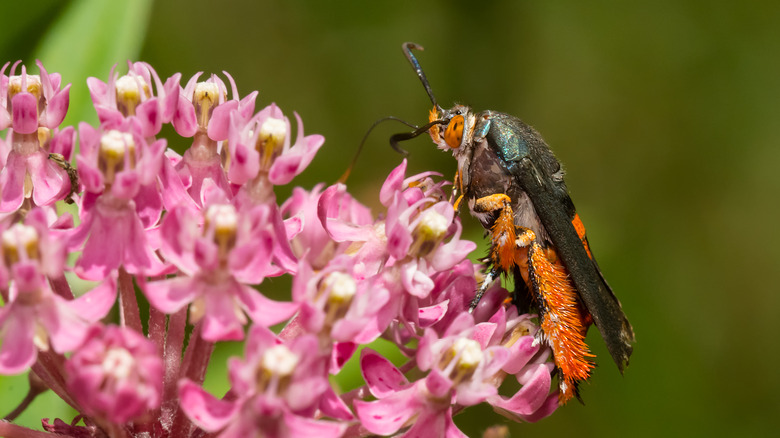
point(116, 374)
point(277, 389)
point(203, 238)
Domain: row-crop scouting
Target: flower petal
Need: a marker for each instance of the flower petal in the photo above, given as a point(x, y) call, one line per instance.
point(207, 412)
point(382, 377)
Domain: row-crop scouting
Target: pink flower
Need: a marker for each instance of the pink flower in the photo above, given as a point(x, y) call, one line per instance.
point(116, 374)
point(34, 316)
point(465, 367)
point(231, 250)
point(401, 404)
point(308, 237)
point(119, 173)
point(132, 96)
point(529, 363)
point(278, 388)
point(32, 100)
point(334, 301)
point(204, 113)
point(261, 155)
point(35, 101)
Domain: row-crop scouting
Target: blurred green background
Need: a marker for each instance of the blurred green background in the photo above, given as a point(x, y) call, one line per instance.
point(665, 115)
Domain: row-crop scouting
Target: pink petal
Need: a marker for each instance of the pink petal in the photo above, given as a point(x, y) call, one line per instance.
point(17, 351)
point(66, 329)
point(57, 107)
point(207, 412)
point(381, 376)
point(171, 98)
point(221, 322)
point(51, 183)
point(109, 118)
point(62, 142)
point(250, 261)
point(333, 406)
point(304, 427)
point(530, 397)
point(12, 182)
point(125, 185)
point(171, 295)
point(259, 339)
point(184, 121)
point(387, 416)
point(220, 120)
point(95, 304)
point(148, 113)
point(393, 184)
point(438, 384)
point(291, 163)
point(520, 353)
point(432, 314)
point(341, 353)
point(482, 333)
point(262, 310)
point(25, 113)
point(97, 90)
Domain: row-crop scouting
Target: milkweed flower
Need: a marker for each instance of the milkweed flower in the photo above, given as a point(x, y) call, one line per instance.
point(115, 374)
point(32, 106)
point(139, 94)
point(118, 169)
point(34, 316)
point(278, 385)
point(203, 238)
point(219, 254)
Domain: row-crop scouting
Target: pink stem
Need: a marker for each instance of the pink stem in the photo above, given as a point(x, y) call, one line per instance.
point(129, 314)
point(196, 360)
point(174, 342)
point(49, 368)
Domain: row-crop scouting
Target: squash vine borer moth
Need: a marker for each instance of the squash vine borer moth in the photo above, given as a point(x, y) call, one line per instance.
point(513, 184)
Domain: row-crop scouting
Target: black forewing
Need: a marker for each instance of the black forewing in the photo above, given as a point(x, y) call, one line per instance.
point(537, 173)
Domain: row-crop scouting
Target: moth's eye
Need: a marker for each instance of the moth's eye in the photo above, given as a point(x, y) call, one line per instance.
point(453, 135)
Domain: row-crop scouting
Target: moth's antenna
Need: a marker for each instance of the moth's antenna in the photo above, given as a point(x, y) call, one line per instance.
point(343, 178)
point(407, 48)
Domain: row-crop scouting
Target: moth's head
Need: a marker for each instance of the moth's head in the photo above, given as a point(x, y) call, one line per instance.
point(455, 127)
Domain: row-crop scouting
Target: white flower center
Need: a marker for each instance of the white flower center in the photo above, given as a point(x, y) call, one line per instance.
point(280, 361)
point(433, 224)
point(20, 240)
point(33, 85)
point(342, 287)
point(113, 144)
point(128, 93)
point(118, 363)
point(470, 353)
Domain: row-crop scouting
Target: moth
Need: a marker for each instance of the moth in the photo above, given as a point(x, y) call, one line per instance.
point(514, 185)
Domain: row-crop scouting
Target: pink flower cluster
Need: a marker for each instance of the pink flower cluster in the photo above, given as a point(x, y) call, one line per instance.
point(196, 235)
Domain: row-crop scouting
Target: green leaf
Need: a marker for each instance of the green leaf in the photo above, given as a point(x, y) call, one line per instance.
point(87, 39)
